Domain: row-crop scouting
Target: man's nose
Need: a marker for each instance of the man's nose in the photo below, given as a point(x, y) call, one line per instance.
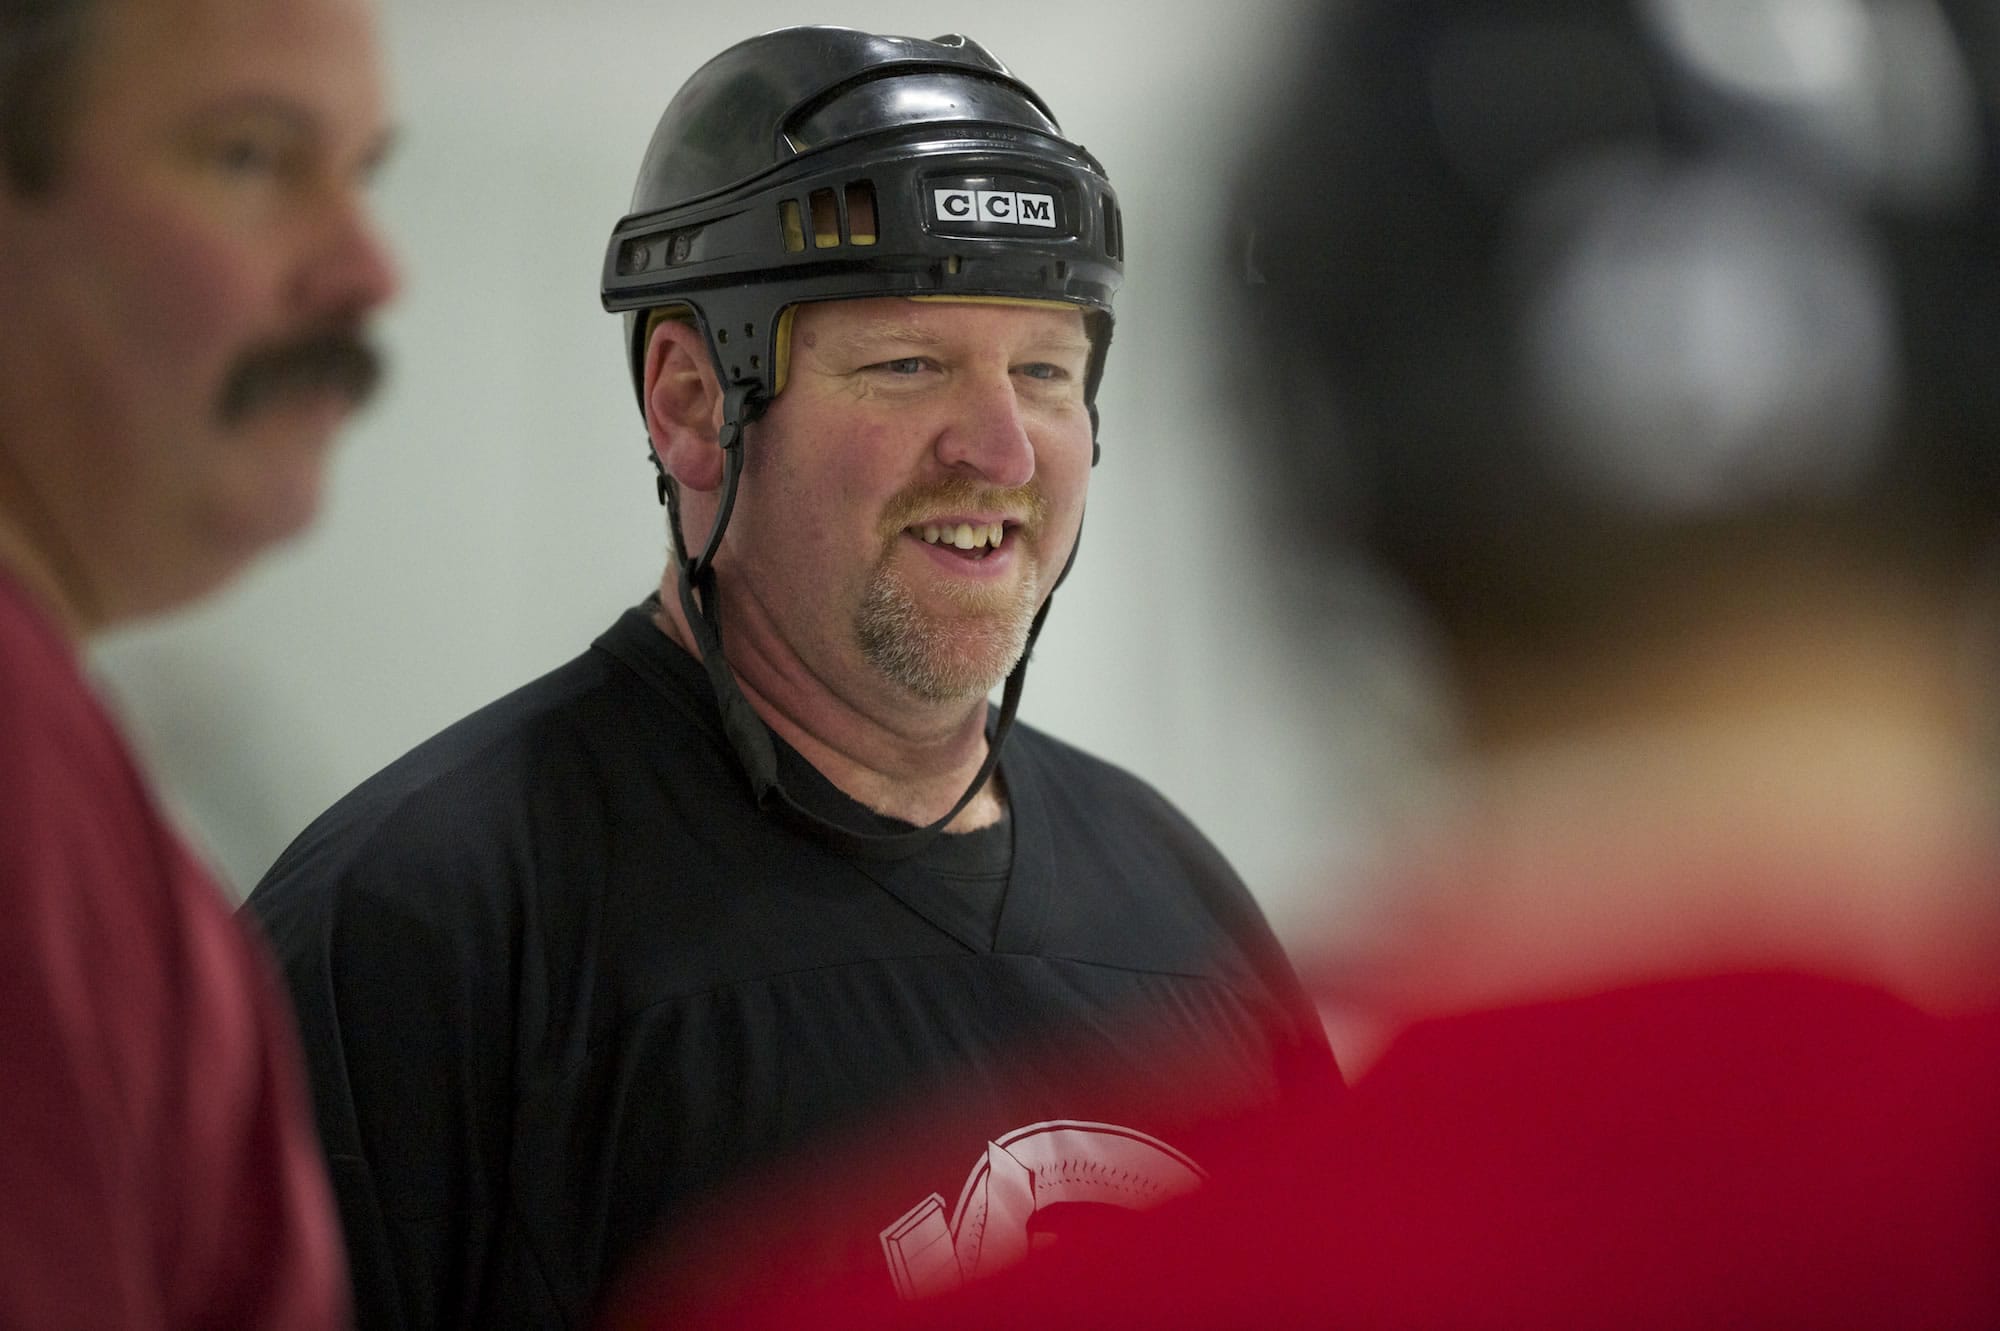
point(349, 270)
point(988, 431)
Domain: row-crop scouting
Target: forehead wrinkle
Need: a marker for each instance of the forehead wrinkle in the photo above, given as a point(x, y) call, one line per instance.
point(897, 331)
point(1074, 343)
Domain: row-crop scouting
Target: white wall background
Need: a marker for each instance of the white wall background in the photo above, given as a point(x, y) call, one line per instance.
point(494, 511)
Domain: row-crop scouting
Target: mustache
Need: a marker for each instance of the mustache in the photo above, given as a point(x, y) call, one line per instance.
point(335, 360)
point(1023, 503)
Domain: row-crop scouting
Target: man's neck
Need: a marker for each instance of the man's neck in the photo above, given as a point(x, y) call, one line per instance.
point(1820, 803)
point(30, 566)
point(903, 758)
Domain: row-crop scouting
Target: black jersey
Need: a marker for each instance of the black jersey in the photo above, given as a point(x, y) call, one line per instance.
point(560, 981)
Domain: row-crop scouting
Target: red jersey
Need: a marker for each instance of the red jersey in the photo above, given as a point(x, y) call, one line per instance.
point(1765, 1150)
point(158, 1169)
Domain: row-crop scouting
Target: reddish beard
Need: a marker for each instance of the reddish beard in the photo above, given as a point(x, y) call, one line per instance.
point(960, 654)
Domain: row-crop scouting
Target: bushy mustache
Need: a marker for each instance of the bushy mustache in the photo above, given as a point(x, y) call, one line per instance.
point(334, 360)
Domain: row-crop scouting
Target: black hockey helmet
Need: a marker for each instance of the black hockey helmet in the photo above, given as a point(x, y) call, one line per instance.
point(1560, 287)
point(820, 163)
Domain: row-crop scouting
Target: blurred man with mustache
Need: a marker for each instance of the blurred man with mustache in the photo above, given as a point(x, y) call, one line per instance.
point(757, 865)
point(186, 265)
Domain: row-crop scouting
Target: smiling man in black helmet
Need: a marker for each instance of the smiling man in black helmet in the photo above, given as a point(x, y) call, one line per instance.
point(763, 863)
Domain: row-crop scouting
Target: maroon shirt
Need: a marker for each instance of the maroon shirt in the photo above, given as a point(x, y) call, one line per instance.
point(157, 1167)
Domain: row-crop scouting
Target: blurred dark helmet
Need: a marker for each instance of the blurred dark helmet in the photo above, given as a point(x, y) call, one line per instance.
point(1550, 290)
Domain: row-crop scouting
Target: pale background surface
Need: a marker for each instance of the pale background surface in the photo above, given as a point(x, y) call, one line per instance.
point(493, 512)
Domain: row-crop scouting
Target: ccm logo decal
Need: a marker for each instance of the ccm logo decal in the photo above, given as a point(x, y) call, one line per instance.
point(966, 205)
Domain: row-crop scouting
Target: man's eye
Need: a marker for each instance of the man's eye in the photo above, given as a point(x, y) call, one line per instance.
point(249, 157)
point(903, 365)
point(1044, 370)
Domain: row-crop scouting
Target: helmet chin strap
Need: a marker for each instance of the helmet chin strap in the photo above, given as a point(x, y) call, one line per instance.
point(746, 732)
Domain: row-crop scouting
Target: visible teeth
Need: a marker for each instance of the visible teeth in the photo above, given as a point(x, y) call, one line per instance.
point(963, 534)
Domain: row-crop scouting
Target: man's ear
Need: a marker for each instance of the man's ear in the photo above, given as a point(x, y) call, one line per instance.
point(684, 405)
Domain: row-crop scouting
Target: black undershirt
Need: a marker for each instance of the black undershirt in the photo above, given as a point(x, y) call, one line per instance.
point(971, 868)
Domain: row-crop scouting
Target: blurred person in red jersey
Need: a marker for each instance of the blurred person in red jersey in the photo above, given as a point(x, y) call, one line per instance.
point(1654, 347)
point(186, 265)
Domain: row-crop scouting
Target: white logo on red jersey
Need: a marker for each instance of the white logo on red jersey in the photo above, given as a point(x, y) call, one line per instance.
point(1023, 1172)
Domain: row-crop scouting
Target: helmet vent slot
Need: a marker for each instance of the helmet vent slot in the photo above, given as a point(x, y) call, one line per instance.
point(790, 226)
point(1114, 230)
point(825, 219)
point(861, 212)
